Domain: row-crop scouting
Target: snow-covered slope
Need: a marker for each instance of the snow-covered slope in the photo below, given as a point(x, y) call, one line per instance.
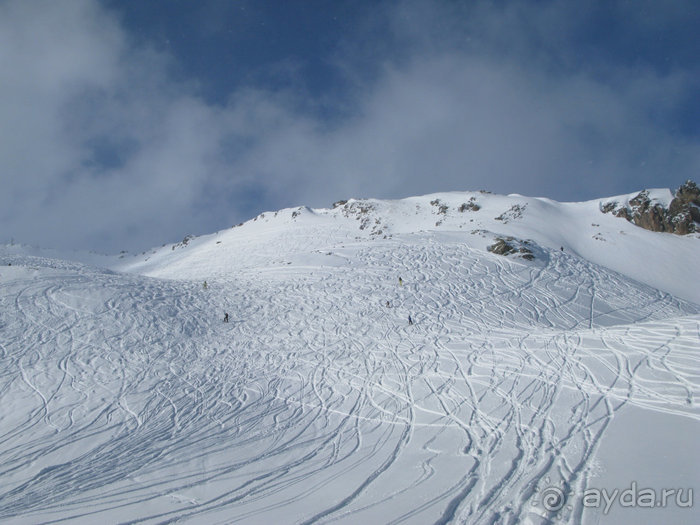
point(125, 398)
point(664, 261)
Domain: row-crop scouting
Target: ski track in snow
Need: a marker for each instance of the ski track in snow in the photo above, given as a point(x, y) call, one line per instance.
point(125, 396)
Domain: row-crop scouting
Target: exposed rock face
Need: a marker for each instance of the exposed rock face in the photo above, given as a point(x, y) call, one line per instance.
point(681, 217)
point(469, 206)
point(364, 212)
point(515, 212)
point(686, 207)
point(441, 207)
point(509, 245)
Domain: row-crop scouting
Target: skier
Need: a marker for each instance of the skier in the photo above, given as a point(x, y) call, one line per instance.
point(225, 318)
point(205, 285)
point(387, 304)
point(400, 281)
point(410, 321)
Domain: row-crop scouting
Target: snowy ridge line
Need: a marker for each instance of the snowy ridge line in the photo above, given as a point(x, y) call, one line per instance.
point(318, 239)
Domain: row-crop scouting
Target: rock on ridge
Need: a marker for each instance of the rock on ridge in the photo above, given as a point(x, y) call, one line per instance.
point(681, 217)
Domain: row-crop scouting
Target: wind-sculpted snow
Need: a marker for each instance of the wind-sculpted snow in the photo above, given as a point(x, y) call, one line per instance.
point(127, 399)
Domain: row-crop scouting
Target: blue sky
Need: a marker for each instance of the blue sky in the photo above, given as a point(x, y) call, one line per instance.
point(129, 124)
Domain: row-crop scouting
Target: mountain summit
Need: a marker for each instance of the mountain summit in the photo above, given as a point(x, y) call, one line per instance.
point(519, 227)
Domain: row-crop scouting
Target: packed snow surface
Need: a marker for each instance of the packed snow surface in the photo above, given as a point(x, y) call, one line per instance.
point(124, 397)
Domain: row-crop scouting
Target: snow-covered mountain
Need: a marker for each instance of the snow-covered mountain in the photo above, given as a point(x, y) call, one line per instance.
point(553, 351)
point(303, 237)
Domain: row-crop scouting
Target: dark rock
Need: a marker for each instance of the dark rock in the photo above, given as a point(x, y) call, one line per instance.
point(608, 207)
point(501, 247)
point(509, 245)
point(515, 212)
point(442, 208)
point(469, 206)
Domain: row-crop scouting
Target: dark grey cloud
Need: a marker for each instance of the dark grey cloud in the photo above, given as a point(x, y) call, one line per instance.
point(107, 143)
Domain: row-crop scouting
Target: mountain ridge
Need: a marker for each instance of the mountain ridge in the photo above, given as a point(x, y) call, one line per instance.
point(481, 218)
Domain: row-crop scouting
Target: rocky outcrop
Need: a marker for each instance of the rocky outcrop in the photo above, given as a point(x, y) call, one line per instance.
point(441, 207)
point(681, 217)
point(364, 212)
point(469, 206)
point(515, 212)
point(509, 245)
point(685, 208)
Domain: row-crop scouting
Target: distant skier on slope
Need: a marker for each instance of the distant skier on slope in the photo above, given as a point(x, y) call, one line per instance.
point(400, 281)
point(410, 321)
point(225, 318)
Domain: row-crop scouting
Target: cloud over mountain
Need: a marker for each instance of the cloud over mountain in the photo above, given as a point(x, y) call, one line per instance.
point(110, 142)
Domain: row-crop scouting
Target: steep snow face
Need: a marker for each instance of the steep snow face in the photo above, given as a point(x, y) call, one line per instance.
point(125, 397)
point(476, 219)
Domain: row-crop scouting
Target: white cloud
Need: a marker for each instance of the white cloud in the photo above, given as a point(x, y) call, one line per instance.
point(461, 122)
point(77, 92)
